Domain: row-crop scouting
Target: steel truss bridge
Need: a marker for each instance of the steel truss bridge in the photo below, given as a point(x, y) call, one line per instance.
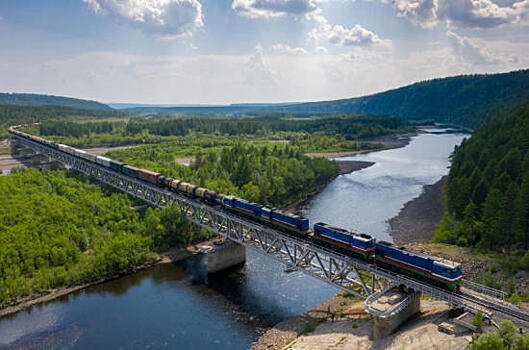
point(355, 276)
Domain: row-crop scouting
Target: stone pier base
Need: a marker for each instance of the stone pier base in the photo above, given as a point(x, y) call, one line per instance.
point(225, 255)
point(386, 325)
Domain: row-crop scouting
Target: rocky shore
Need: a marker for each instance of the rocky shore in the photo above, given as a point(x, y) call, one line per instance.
point(418, 219)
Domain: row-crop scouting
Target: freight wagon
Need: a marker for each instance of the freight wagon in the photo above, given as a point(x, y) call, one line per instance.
point(148, 176)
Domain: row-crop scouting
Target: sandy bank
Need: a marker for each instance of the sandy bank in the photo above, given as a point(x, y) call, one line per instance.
point(418, 219)
point(352, 329)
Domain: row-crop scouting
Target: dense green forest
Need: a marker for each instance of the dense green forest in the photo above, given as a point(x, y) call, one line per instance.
point(337, 133)
point(58, 228)
point(467, 100)
point(14, 115)
point(49, 100)
point(487, 189)
point(273, 175)
point(350, 126)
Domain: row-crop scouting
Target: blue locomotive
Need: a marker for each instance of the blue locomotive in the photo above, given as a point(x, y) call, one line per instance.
point(272, 216)
point(360, 244)
point(438, 271)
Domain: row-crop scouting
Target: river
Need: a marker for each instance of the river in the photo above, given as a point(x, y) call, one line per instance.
point(179, 306)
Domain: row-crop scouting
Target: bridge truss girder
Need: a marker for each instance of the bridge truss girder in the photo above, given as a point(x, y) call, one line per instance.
point(297, 253)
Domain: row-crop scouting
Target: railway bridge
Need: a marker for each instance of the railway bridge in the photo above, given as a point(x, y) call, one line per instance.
point(356, 276)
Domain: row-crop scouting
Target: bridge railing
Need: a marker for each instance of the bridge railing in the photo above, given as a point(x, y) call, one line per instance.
point(495, 293)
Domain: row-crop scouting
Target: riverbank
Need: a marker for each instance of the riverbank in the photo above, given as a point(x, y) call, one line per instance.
point(351, 328)
point(418, 219)
point(173, 255)
point(387, 142)
point(346, 167)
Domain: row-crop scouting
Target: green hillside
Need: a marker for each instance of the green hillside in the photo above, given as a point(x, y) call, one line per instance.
point(49, 100)
point(488, 187)
point(468, 100)
point(13, 115)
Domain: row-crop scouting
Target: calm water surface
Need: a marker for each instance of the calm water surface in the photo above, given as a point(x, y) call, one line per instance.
point(365, 200)
point(179, 306)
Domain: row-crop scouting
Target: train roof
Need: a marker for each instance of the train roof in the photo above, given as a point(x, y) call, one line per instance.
point(361, 236)
point(441, 261)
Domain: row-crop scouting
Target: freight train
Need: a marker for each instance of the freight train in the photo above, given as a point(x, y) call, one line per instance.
point(434, 270)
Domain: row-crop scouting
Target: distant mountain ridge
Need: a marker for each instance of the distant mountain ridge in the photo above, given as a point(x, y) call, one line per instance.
point(50, 100)
point(468, 100)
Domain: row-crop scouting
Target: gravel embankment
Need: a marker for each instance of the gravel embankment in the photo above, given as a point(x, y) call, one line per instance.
point(418, 219)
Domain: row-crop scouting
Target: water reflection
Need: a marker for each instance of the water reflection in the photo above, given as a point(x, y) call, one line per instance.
point(365, 200)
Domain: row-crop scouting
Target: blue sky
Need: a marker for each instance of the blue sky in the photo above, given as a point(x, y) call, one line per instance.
point(229, 51)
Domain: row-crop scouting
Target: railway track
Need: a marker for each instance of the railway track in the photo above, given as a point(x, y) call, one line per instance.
point(329, 265)
point(496, 305)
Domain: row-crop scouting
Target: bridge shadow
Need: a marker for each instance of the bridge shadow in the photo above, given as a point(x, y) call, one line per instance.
point(28, 158)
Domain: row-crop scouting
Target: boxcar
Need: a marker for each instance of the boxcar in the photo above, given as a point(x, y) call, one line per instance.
point(103, 161)
point(130, 170)
point(148, 176)
point(116, 166)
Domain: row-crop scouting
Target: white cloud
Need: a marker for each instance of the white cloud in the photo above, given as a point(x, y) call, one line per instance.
point(257, 71)
point(343, 36)
point(275, 8)
point(287, 49)
point(466, 49)
point(352, 36)
point(321, 50)
point(463, 13)
point(160, 17)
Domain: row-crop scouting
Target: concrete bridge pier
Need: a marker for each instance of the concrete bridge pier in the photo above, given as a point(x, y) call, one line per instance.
point(223, 254)
point(392, 308)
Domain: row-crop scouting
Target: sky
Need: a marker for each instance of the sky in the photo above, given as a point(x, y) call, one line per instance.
point(233, 51)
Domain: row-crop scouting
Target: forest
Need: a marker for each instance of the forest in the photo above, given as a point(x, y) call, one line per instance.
point(58, 228)
point(331, 133)
point(273, 175)
point(49, 100)
point(466, 100)
point(487, 189)
point(14, 115)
